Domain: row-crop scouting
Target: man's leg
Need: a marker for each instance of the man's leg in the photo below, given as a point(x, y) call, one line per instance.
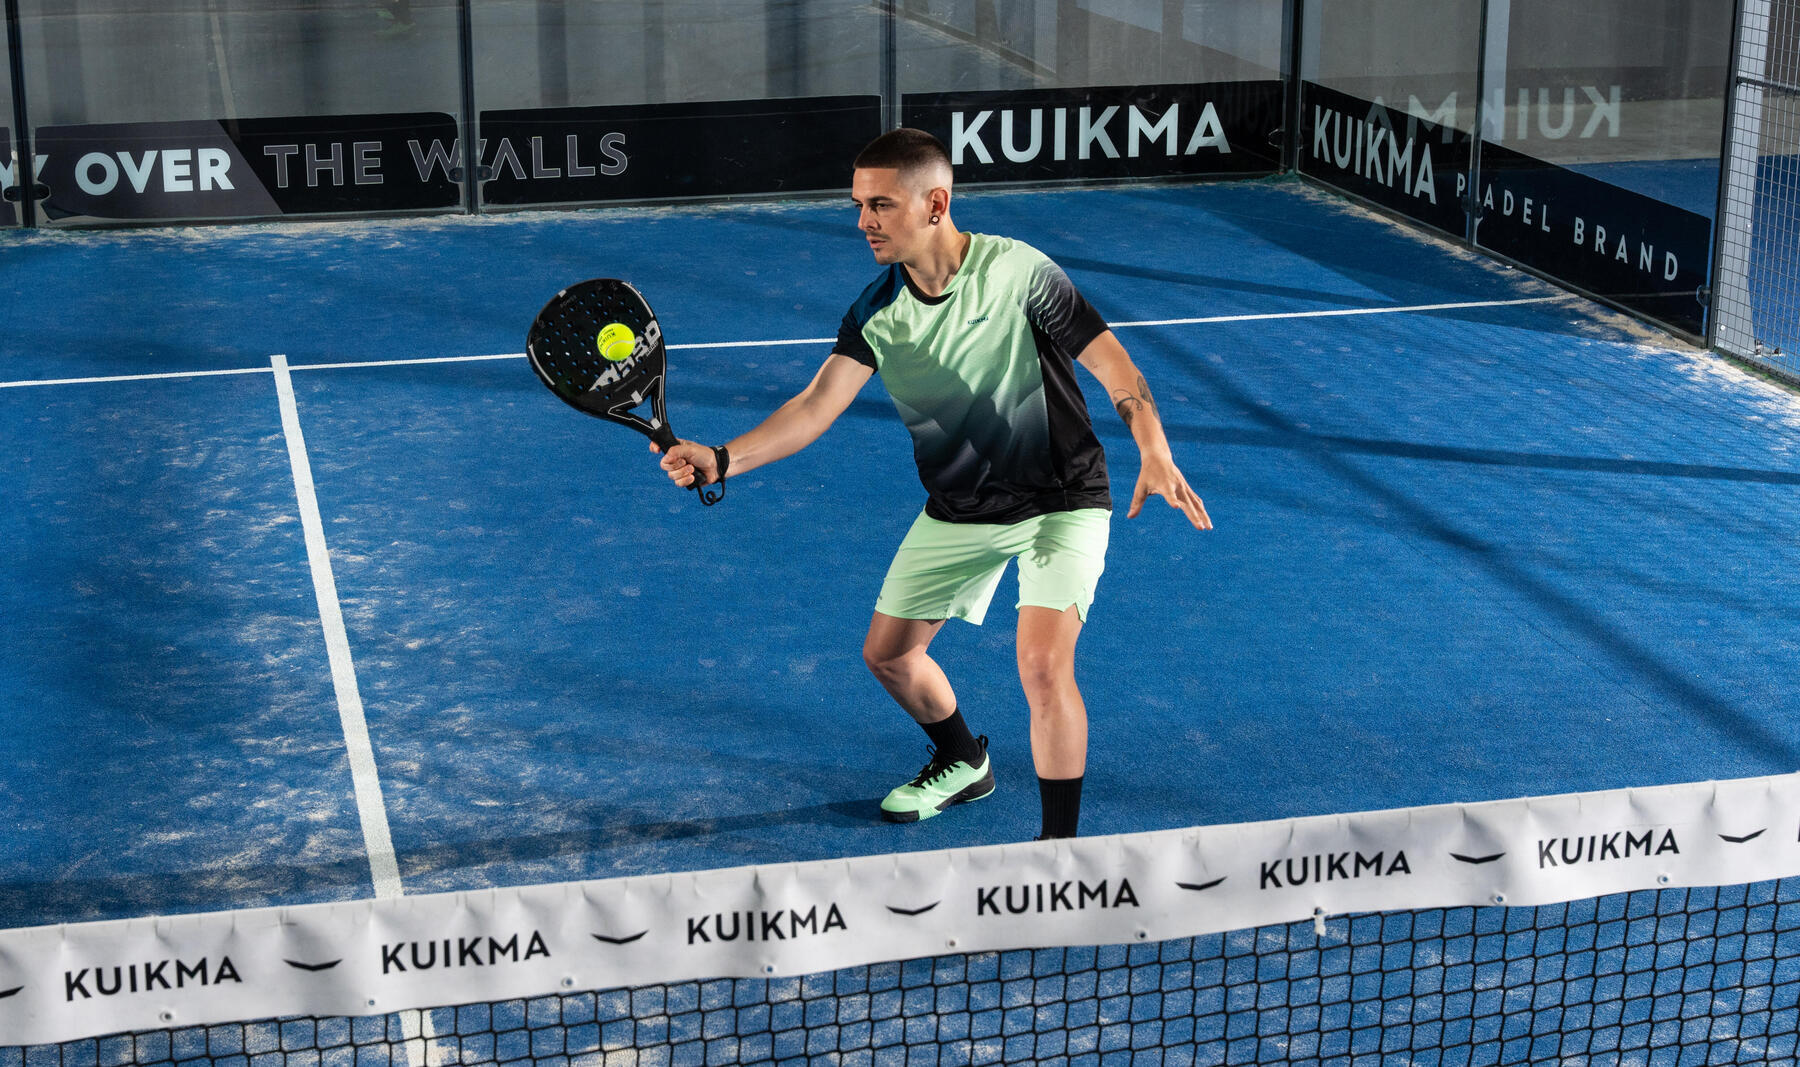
point(896, 651)
point(1058, 716)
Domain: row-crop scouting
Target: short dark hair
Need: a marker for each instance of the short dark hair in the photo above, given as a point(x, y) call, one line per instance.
point(903, 149)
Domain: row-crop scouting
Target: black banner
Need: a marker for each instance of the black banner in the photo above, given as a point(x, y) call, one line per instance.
point(10, 189)
point(1627, 247)
point(1137, 131)
point(245, 168)
point(664, 151)
point(1403, 162)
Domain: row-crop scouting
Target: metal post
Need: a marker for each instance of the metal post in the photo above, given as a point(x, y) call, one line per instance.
point(1478, 132)
point(1730, 319)
point(1292, 115)
point(890, 64)
point(473, 174)
point(25, 163)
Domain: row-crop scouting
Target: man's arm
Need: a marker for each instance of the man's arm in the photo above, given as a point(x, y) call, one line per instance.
point(1157, 473)
point(787, 430)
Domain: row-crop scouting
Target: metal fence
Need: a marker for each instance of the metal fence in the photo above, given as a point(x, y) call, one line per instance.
point(1756, 291)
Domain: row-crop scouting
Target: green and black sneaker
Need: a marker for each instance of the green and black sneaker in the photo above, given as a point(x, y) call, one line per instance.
point(939, 784)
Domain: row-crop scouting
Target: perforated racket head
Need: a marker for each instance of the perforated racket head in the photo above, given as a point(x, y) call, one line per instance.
point(564, 352)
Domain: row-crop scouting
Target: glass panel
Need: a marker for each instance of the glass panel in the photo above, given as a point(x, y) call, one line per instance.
point(550, 53)
point(659, 99)
point(953, 45)
point(1388, 102)
point(1095, 89)
point(1421, 57)
point(251, 108)
point(1628, 92)
point(1601, 142)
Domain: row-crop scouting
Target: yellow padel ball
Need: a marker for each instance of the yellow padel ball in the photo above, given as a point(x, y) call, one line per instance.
point(616, 341)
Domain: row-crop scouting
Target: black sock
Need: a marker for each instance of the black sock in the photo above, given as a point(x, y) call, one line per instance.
point(1062, 805)
point(952, 739)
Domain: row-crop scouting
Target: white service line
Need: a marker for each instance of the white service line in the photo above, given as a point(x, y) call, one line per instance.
point(758, 344)
point(1265, 316)
point(407, 362)
point(1333, 312)
point(135, 377)
point(383, 866)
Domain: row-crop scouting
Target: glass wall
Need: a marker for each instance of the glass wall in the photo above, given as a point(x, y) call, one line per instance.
point(962, 45)
point(550, 53)
point(1095, 89)
point(1388, 101)
point(235, 108)
point(1580, 140)
point(1630, 93)
point(192, 109)
point(1601, 141)
point(654, 99)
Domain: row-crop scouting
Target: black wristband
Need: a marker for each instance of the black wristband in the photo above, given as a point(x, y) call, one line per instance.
point(724, 460)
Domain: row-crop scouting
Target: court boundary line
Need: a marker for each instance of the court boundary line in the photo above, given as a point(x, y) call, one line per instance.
point(371, 809)
point(782, 342)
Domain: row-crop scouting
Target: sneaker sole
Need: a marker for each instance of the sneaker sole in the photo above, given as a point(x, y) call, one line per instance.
point(972, 792)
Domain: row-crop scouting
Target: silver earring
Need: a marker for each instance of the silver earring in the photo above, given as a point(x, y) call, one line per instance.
point(935, 218)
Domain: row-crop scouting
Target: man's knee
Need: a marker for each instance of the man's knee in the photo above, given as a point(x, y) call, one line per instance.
point(1045, 670)
point(886, 664)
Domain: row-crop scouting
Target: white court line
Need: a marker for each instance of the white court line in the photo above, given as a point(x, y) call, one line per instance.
point(758, 344)
point(1334, 312)
point(135, 377)
point(409, 362)
point(383, 866)
point(1266, 316)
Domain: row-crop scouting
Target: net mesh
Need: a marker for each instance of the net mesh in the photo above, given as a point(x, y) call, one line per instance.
point(1758, 287)
point(1674, 976)
point(1774, 262)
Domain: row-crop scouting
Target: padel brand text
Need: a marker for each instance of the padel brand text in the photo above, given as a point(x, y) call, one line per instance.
point(1331, 867)
point(147, 977)
point(1040, 897)
point(478, 951)
point(779, 925)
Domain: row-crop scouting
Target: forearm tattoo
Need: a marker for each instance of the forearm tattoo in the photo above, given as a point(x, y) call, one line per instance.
point(1129, 403)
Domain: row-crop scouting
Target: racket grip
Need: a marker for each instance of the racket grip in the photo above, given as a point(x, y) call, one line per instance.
point(665, 439)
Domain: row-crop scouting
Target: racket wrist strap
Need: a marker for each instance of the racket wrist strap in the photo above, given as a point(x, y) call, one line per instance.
point(723, 458)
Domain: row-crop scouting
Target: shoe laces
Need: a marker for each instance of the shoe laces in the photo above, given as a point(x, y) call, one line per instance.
point(937, 766)
point(934, 767)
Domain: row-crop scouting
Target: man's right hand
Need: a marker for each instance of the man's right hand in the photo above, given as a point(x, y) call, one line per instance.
point(689, 464)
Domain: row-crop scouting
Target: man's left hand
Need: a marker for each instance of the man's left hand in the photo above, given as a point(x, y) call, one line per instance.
point(1161, 477)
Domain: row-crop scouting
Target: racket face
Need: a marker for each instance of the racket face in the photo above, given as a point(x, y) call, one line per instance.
point(563, 347)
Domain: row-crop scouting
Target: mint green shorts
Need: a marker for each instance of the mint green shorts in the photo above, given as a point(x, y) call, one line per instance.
point(946, 570)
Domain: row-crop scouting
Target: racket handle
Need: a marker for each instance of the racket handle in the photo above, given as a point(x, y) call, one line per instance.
point(665, 439)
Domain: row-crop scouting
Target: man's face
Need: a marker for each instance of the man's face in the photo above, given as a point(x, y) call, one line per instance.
point(895, 219)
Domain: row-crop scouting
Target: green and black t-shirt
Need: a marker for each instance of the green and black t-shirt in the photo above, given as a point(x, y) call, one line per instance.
point(984, 377)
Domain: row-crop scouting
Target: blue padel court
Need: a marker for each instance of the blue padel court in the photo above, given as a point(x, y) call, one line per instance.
point(1475, 538)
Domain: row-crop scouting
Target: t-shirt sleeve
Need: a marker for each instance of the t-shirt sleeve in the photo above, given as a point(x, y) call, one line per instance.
point(1057, 308)
point(850, 342)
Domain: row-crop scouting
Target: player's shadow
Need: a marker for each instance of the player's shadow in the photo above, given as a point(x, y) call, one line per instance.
point(623, 831)
point(1078, 264)
point(1500, 560)
point(25, 904)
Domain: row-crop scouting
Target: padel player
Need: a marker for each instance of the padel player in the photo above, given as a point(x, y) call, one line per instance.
point(976, 339)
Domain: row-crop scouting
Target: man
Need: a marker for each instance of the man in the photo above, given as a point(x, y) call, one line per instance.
point(976, 338)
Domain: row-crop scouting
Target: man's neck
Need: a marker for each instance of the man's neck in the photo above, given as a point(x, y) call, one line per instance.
point(933, 272)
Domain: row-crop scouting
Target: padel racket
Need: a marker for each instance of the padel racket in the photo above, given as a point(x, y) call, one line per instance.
point(577, 349)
